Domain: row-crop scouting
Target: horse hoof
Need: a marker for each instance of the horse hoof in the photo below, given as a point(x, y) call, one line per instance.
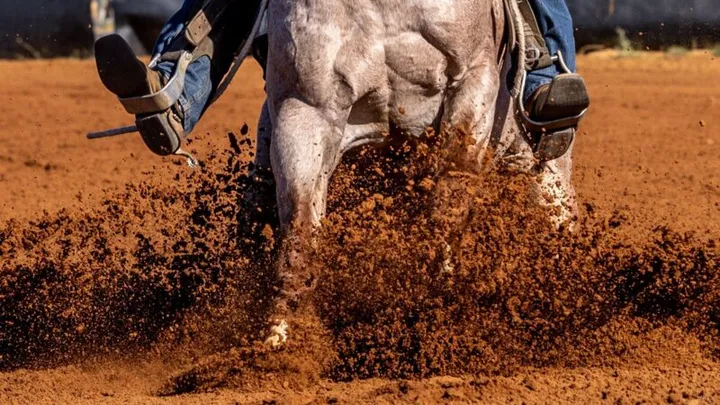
point(278, 335)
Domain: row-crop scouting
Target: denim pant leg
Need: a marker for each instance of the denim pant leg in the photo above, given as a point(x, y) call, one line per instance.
point(556, 26)
point(198, 83)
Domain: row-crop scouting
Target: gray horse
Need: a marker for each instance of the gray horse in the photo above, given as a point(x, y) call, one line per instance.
point(341, 71)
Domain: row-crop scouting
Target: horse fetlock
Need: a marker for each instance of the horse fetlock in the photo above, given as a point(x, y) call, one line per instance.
point(297, 281)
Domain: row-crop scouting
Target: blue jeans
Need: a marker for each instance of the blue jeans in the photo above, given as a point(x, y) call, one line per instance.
point(553, 17)
point(198, 84)
point(556, 26)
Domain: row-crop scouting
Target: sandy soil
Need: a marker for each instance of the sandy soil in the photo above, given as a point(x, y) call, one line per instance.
point(649, 148)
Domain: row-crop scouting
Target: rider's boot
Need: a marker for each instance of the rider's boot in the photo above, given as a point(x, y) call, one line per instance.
point(565, 96)
point(127, 77)
point(554, 111)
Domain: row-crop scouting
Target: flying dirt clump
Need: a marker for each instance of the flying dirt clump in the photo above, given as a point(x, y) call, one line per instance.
point(426, 268)
point(431, 270)
point(152, 263)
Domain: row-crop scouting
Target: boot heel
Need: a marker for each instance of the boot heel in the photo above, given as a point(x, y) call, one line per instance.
point(162, 133)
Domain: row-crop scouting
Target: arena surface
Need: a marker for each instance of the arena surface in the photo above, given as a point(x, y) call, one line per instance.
point(649, 149)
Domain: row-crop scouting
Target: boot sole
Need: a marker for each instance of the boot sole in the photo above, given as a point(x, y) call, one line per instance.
point(567, 97)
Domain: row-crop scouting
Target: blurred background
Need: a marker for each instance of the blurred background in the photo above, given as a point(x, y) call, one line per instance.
point(47, 28)
point(44, 28)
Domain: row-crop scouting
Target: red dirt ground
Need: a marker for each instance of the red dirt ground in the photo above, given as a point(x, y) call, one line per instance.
point(649, 148)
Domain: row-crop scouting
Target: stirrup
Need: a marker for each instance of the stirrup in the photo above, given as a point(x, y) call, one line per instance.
point(162, 130)
point(158, 119)
point(162, 133)
point(167, 96)
point(552, 139)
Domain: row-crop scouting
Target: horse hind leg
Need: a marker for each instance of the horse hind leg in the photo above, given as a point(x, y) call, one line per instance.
point(264, 136)
point(472, 105)
point(553, 185)
point(304, 152)
point(261, 193)
point(556, 192)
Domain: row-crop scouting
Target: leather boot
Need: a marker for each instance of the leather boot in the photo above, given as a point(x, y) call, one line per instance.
point(554, 112)
point(126, 77)
point(121, 72)
point(566, 96)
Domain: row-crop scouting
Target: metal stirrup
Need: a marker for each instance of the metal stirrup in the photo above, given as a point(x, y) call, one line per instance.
point(166, 97)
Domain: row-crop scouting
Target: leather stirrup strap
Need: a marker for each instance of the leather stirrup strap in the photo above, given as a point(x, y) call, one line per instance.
point(538, 55)
point(200, 26)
